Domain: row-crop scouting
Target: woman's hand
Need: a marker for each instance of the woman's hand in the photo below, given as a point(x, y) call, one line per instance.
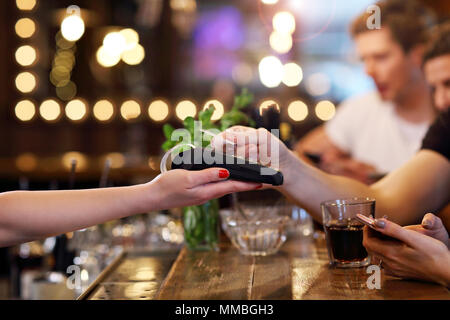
point(431, 226)
point(407, 253)
point(179, 188)
point(257, 145)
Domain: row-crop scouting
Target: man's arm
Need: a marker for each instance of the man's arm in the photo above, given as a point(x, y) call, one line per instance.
point(332, 159)
point(316, 141)
point(405, 195)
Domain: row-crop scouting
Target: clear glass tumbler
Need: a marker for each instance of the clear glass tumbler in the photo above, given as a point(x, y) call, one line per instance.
point(343, 233)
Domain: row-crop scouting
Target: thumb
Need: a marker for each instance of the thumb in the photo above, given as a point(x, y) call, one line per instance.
point(430, 221)
point(393, 230)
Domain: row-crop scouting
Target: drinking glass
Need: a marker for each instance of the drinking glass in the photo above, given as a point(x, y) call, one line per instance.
point(343, 233)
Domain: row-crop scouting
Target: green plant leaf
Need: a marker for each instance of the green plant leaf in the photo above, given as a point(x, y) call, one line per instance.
point(168, 129)
point(205, 115)
point(189, 125)
point(167, 145)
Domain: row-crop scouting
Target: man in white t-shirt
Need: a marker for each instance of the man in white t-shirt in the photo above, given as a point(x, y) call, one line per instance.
point(379, 131)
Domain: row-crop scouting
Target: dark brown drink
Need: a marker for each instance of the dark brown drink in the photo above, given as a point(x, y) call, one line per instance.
point(345, 242)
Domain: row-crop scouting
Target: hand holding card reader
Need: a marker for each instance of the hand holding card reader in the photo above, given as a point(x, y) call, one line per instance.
point(239, 168)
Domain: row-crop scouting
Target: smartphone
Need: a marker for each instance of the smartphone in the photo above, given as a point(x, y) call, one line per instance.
point(368, 221)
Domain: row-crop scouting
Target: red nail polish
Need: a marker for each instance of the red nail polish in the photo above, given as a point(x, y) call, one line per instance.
point(224, 174)
point(259, 187)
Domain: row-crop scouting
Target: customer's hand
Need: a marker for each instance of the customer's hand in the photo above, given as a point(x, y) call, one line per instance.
point(431, 226)
point(257, 145)
point(178, 188)
point(409, 254)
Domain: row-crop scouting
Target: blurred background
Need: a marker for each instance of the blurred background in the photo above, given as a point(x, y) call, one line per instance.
point(97, 80)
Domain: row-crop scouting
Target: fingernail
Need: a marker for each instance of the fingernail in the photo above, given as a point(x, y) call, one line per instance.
point(224, 173)
point(380, 224)
point(427, 224)
point(259, 187)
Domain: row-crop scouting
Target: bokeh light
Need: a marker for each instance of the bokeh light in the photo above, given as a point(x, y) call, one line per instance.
point(158, 110)
point(134, 56)
point(218, 108)
point(284, 22)
point(66, 90)
point(50, 110)
point(117, 160)
point(130, 110)
point(82, 160)
point(325, 110)
point(280, 42)
point(153, 163)
point(185, 109)
point(25, 27)
point(266, 104)
point(107, 59)
point(242, 73)
point(63, 43)
point(114, 43)
point(103, 110)
point(25, 82)
point(26, 162)
point(76, 110)
point(59, 74)
point(318, 84)
point(292, 74)
point(270, 71)
point(26, 5)
point(183, 5)
point(25, 110)
point(269, 1)
point(25, 55)
point(131, 38)
point(297, 110)
point(72, 28)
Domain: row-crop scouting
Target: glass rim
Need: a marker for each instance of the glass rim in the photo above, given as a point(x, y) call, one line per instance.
point(348, 202)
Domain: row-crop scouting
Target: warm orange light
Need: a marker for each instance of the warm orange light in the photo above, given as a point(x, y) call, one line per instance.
point(76, 110)
point(26, 5)
point(130, 110)
point(292, 74)
point(26, 162)
point(25, 110)
point(218, 108)
point(25, 55)
point(325, 110)
point(185, 109)
point(25, 82)
point(117, 160)
point(266, 103)
point(158, 110)
point(103, 110)
point(50, 110)
point(284, 22)
point(134, 56)
point(298, 110)
point(25, 28)
point(81, 159)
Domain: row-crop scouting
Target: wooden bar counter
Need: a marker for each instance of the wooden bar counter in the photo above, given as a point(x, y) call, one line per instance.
point(299, 270)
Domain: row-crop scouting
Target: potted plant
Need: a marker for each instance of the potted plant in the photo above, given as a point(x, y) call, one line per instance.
point(201, 223)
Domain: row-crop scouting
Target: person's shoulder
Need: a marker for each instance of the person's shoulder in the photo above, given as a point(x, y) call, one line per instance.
point(367, 100)
point(362, 104)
